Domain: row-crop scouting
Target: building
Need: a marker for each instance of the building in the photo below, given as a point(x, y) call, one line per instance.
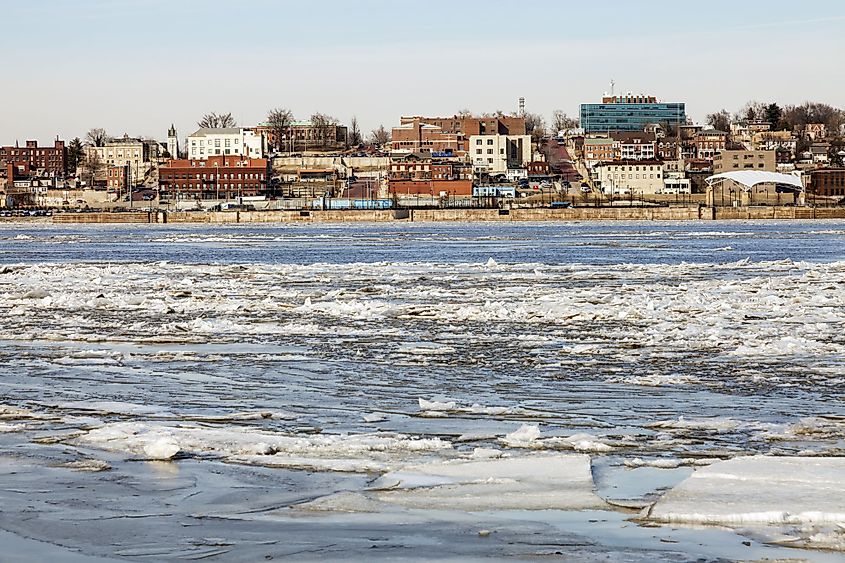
point(305, 136)
point(215, 177)
point(467, 126)
point(828, 182)
point(730, 160)
point(598, 149)
point(417, 136)
point(46, 161)
point(418, 174)
point(496, 154)
point(708, 142)
point(126, 160)
point(630, 113)
point(781, 141)
point(26, 187)
point(633, 145)
point(226, 141)
point(631, 177)
point(820, 153)
point(815, 131)
point(172, 143)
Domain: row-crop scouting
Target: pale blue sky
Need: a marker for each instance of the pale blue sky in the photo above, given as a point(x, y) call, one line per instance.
point(136, 66)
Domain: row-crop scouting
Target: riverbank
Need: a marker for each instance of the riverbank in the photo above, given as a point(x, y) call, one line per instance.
point(673, 213)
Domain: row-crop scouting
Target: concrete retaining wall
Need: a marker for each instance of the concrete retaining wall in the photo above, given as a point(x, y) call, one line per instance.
point(127, 217)
point(681, 213)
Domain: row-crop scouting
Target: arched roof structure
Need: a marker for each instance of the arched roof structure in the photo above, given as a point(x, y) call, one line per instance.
point(750, 178)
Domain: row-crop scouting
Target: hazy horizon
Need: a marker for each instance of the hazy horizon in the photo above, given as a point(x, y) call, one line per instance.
point(136, 67)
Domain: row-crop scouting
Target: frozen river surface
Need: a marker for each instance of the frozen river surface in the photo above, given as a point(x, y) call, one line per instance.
point(423, 391)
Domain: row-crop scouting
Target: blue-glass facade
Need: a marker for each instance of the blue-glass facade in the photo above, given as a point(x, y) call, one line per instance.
point(596, 118)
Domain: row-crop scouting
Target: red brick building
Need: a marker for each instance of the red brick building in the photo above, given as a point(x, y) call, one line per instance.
point(450, 134)
point(51, 161)
point(827, 182)
point(218, 177)
point(422, 176)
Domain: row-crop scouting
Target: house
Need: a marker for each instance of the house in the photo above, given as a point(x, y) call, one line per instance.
point(820, 153)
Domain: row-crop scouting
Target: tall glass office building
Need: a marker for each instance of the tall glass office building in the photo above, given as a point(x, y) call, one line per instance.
point(630, 113)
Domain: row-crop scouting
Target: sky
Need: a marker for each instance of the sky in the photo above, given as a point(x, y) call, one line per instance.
point(136, 66)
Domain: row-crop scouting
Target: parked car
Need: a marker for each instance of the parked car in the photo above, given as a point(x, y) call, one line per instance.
point(585, 189)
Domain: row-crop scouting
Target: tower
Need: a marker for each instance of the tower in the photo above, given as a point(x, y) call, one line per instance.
point(172, 142)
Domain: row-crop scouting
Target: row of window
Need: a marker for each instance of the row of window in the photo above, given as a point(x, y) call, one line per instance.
point(633, 176)
point(223, 176)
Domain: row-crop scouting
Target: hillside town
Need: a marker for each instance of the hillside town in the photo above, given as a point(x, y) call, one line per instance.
point(622, 149)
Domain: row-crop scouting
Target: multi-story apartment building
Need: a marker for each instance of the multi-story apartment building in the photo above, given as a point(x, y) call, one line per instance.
point(708, 142)
point(495, 154)
point(228, 141)
point(631, 177)
point(215, 177)
point(633, 145)
point(732, 160)
point(49, 161)
point(630, 113)
point(828, 182)
point(598, 150)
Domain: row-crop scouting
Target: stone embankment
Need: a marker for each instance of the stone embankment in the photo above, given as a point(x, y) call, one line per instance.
point(679, 213)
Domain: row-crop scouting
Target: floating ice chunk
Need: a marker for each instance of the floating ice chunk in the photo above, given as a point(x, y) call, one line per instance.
point(666, 462)
point(11, 427)
point(487, 453)
point(161, 449)
point(562, 482)
point(491, 263)
point(758, 490)
point(523, 437)
point(436, 405)
point(374, 417)
point(361, 452)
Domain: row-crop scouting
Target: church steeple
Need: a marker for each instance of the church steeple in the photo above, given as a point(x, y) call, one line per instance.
point(172, 142)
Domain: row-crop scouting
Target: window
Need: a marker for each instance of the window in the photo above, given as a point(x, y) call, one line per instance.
point(478, 141)
point(489, 141)
point(478, 151)
point(489, 151)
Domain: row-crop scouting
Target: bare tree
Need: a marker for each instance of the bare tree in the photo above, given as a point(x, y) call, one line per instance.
point(380, 136)
point(279, 121)
point(92, 166)
point(215, 120)
point(562, 122)
point(97, 137)
point(797, 117)
point(354, 137)
point(535, 126)
point(322, 123)
point(751, 111)
point(720, 120)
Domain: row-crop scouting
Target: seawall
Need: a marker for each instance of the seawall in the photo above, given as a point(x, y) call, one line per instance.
point(679, 213)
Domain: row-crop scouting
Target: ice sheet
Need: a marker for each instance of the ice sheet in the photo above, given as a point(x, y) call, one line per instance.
point(758, 490)
point(537, 482)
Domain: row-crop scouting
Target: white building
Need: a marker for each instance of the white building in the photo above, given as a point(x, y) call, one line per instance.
point(495, 154)
point(238, 141)
point(631, 177)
